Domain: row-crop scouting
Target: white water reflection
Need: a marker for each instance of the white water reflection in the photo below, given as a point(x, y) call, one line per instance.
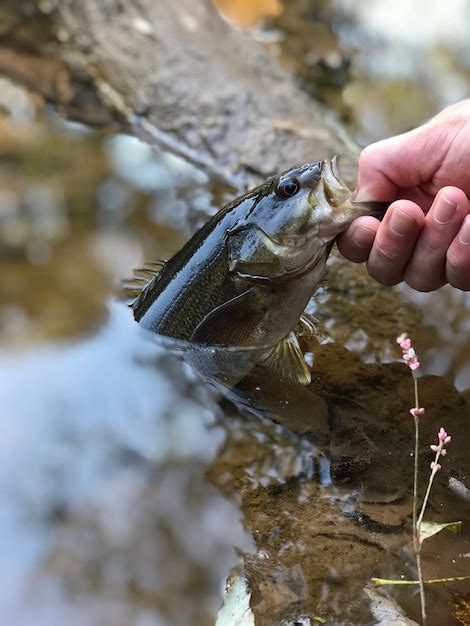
point(103, 448)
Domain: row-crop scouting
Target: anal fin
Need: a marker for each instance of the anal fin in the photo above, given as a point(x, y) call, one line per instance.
point(287, 360)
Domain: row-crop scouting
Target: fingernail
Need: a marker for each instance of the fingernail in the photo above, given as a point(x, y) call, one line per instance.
point(464, 234)
point(363, 236)
point(400, 222)
point(445, 210)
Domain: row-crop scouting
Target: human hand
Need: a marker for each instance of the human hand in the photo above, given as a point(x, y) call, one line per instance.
point(428, 169)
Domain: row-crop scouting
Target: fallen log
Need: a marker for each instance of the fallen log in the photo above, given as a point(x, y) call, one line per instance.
point(177, 74)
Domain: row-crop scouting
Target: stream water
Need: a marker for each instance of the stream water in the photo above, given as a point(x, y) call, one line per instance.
point(131, 489)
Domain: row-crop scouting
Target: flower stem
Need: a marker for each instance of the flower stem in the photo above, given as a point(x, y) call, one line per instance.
point(426, 498)
point(416, 469)
point(421, 586)
point(417, 521)
point(415, 486)
point(434, 471)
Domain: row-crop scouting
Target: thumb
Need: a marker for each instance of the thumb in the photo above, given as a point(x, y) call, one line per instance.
point(387, 166)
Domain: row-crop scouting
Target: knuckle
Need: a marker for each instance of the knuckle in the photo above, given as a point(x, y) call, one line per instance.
point(431, 245)
point(386, 252)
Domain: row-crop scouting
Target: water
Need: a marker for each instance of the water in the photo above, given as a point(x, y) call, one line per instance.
point(130, 487)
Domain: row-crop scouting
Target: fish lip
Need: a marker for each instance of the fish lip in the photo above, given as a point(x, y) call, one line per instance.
point(331, 190)
point(333, 180)
point(336, 183)
point(332, 202)
point(334, 168)
point(329, 167)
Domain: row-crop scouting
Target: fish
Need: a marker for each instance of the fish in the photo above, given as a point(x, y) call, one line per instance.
point(245, 278)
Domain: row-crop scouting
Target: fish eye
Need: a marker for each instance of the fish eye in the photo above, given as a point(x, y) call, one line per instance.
point(287, 188)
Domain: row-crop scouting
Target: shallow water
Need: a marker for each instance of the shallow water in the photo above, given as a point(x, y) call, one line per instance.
point(131, 488)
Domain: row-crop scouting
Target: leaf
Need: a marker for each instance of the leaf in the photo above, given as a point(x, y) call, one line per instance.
point(429, 529)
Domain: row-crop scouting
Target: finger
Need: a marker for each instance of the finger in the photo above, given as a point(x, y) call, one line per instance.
point(458, 258)
point(356, 243)
point(426, 270)
point(395, 241)
point(419, 196)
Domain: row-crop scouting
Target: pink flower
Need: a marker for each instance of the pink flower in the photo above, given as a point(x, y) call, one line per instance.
point(417, 411)
point(408, 352)
point(443, 436)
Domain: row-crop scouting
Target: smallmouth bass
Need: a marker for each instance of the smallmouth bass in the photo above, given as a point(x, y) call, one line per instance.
point(244, 279)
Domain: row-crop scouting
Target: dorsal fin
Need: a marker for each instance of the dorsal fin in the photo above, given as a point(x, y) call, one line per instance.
point(144, 277)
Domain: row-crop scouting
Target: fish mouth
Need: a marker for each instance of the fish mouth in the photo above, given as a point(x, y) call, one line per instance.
point(334, 198)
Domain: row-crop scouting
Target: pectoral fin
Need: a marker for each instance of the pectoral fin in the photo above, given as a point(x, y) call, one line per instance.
point(287, 360)
point(232, 323)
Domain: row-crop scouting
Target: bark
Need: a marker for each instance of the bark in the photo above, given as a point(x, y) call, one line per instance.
point(178, 75)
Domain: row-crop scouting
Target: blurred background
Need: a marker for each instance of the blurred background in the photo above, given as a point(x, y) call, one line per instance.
point(107, 517)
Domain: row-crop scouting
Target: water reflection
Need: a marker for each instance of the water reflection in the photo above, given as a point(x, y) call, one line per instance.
point(103, 451)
